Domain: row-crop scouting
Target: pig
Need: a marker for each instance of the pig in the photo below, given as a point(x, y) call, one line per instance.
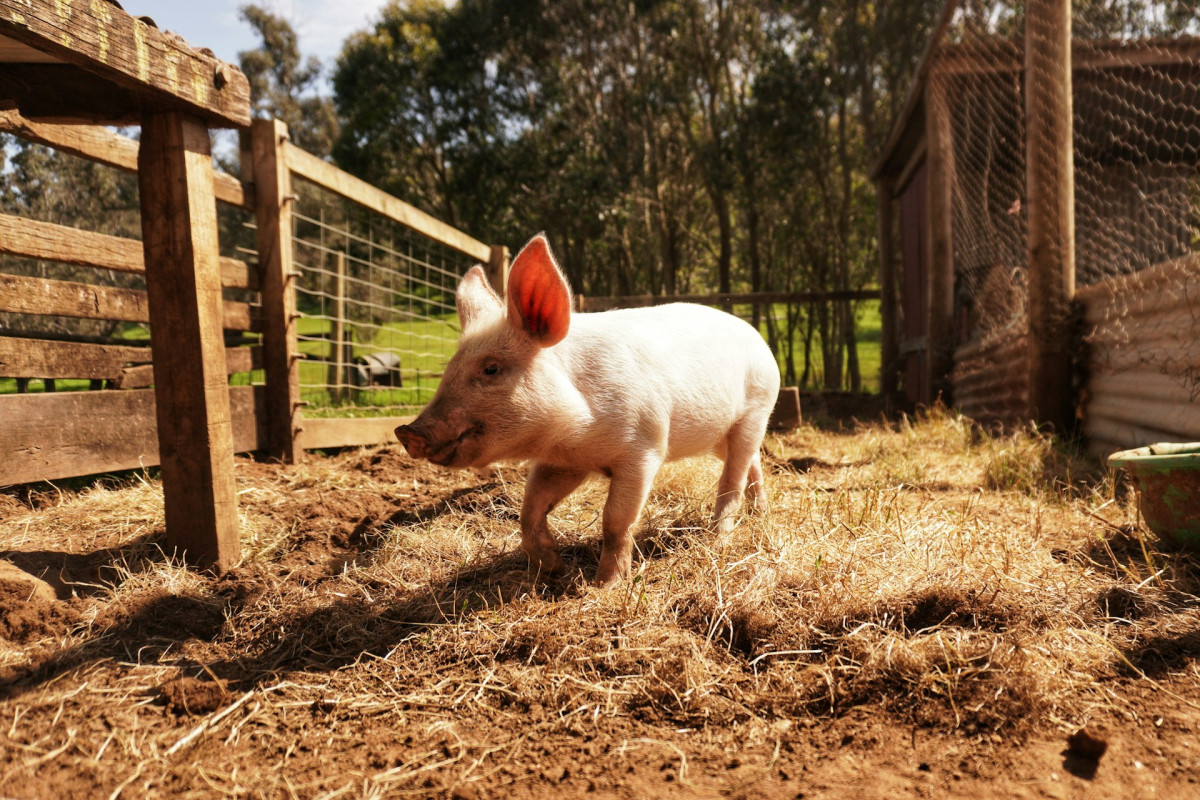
point(617, 393)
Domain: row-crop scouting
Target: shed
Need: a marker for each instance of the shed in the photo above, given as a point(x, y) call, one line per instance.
point(953, 181)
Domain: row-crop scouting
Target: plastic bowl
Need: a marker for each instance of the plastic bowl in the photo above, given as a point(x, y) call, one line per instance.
point(1167, 476)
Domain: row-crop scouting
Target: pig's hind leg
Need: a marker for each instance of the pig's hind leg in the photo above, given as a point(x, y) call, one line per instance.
point(742, 473)
point(544, 489)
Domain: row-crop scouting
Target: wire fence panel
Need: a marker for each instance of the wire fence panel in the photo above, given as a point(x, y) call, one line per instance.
point(1135, 114)
point(376, 302)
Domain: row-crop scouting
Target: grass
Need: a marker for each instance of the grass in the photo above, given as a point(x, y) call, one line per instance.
point(424, 347)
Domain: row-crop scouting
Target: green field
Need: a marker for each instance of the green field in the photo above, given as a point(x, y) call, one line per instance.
point(424, 347)
point(869, 335)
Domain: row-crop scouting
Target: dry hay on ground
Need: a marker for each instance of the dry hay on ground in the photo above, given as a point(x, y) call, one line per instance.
point(928, 610)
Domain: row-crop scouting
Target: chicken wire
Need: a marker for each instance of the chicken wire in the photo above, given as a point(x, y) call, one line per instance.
point(375, 300)
point(1136, 140)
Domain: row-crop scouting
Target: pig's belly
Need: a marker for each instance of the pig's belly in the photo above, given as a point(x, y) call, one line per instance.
point(692, 438)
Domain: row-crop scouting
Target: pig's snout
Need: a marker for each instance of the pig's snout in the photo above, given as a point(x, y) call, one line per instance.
point(444, 452)
point(414, 441)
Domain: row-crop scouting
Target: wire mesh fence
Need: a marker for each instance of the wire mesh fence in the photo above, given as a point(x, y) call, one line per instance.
point(1135, 135)
point(376, 303)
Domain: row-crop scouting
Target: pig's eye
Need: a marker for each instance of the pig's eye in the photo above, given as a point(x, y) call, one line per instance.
point(491, 368)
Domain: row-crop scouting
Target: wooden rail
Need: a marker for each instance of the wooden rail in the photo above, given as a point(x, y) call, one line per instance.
point(64, 434)
point(324, 174)
point(106, 147)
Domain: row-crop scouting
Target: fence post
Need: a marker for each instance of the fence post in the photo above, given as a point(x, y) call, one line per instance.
point(940, 211)
point(890, 344)
point(497, 269)
point(338, 341)
point(273, 213)
point(191, 390)
point(1050, 208)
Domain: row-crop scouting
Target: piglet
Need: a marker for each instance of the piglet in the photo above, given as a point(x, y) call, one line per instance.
point(617, 393)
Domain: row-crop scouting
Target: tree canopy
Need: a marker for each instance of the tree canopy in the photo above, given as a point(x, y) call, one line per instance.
point(666, 146)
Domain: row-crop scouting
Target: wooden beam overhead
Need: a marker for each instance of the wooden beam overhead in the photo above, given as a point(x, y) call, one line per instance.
point(155, 70)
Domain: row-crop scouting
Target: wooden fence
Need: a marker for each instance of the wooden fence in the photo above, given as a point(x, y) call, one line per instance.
point(63, 434)
point(55, 435)
point(67, 71)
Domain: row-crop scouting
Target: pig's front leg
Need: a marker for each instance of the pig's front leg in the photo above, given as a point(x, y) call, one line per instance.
point(627, 494)
point(544, 489)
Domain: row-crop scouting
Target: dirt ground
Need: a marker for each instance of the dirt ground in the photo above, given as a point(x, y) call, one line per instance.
point(927, 612)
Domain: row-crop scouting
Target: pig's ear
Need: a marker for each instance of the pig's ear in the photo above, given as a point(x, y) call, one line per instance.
point(539, 300)
point(475, 298)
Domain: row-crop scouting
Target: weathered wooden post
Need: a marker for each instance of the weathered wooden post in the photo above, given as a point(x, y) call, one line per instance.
point(273, 213)
point(940, 198)
point(497, 269)
point(889, 368)
point(1050, 208)
point(183, 284)
point(339, 340)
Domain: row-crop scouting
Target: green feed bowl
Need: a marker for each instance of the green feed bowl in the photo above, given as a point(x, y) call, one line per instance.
point(1167, 476)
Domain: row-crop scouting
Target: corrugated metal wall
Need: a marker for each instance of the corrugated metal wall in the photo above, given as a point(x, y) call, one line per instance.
point(991, 380)
point(1142, 334)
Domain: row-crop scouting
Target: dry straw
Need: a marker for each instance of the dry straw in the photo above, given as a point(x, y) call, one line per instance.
point(984, 584)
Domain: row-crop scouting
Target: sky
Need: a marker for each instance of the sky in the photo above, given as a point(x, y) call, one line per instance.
point(321, 25)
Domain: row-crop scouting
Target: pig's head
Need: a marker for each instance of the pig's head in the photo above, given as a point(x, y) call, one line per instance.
point(497, 392)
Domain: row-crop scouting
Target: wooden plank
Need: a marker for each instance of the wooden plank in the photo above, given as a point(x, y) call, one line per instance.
point(67, 434)
point(237, 359)
point(273, 189)
point(324, 174)
point(889, 367)
point(38, 358)
point(86, 141)
point(21, 295)
point(107, 147)
point(179, 228)
point(159, 68)
point(590, 304)
point(317, 434)
point(45, 240)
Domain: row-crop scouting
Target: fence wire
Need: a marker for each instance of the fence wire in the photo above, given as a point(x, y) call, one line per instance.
point(1136, 140)
point(376, 302)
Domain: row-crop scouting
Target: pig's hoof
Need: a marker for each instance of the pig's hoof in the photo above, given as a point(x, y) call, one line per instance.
point(548, 563)
point(610, 575)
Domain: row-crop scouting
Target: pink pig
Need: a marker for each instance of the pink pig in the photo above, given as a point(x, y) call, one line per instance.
point(617, 393)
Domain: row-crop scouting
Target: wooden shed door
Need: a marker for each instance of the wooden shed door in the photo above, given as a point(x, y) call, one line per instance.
point(914, 270)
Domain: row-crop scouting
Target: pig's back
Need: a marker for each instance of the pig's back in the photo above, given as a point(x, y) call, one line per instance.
point(683, 373)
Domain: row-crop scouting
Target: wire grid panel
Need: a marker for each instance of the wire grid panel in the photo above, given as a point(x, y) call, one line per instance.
point(377, 320)
point(1136, 142)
